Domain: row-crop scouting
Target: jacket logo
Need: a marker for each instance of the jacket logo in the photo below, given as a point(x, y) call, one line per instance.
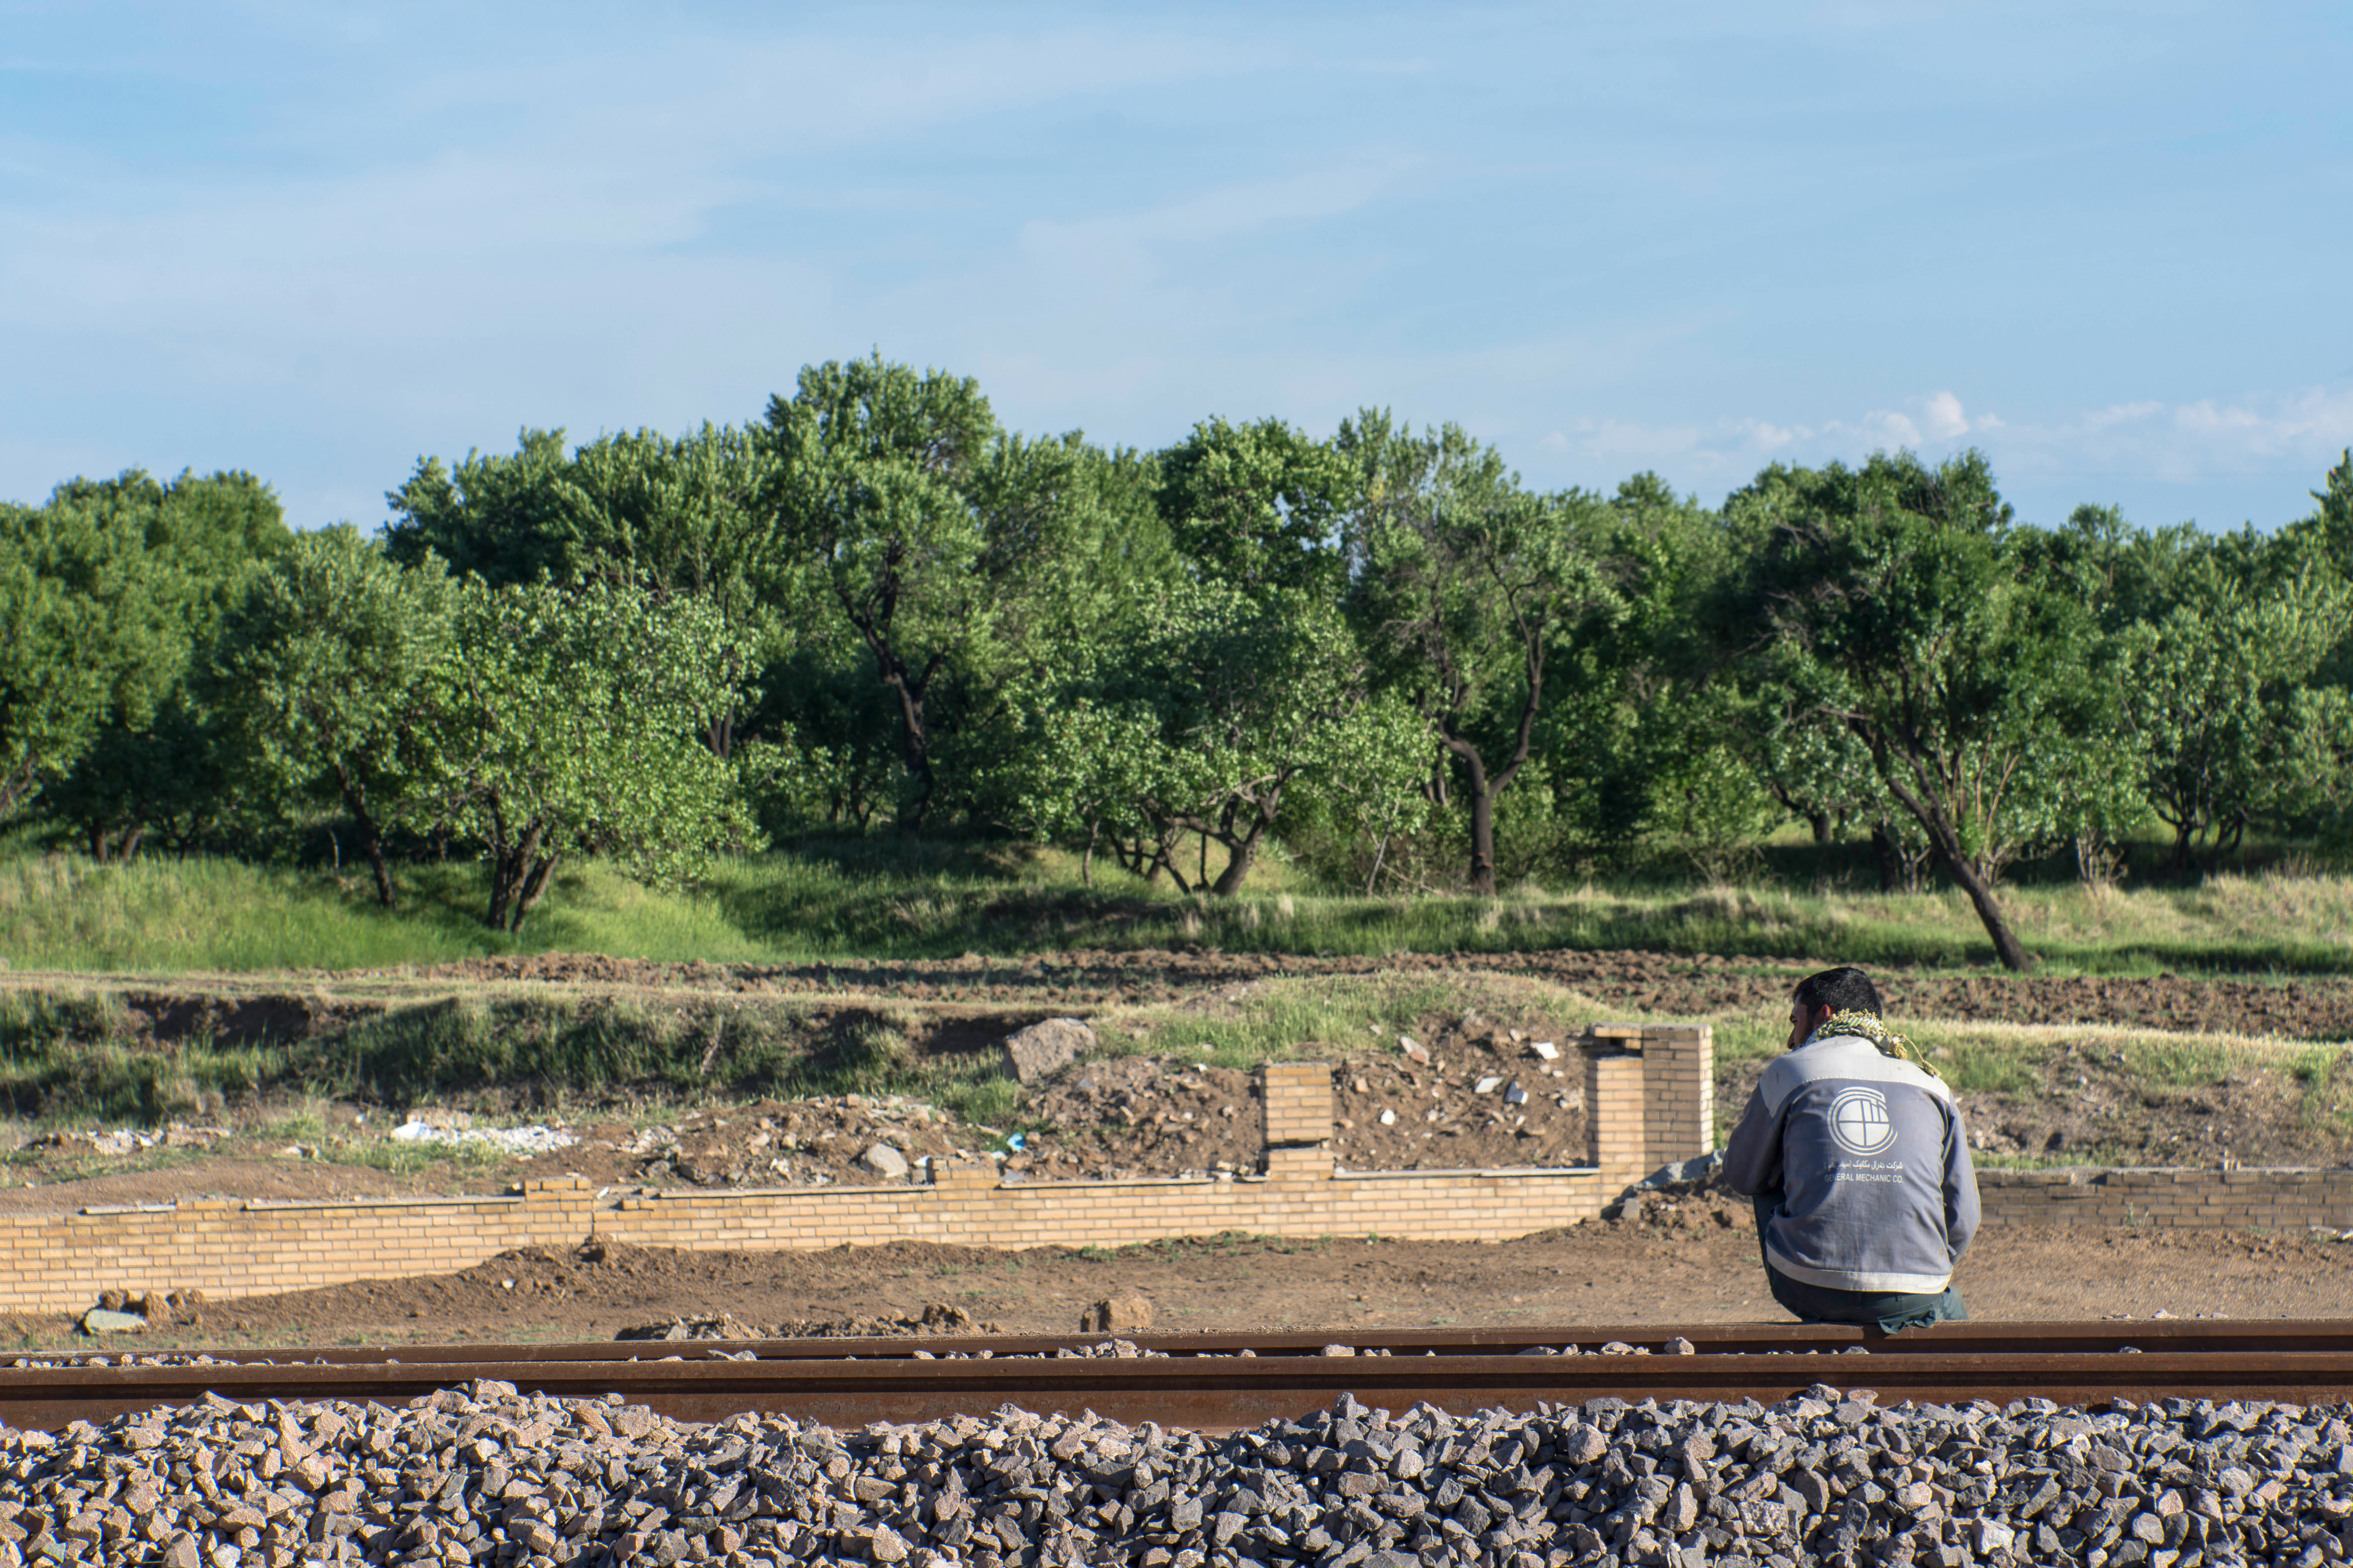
point(1860, 1122)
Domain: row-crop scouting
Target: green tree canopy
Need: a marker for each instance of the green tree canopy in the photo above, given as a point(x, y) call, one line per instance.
point(1258, 506)
point(1464, 581)
point(141, 571)
point(570, 722)
point(1896, 600)
point(333, 663)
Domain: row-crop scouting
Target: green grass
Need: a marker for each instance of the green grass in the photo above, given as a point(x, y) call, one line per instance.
point(884, 898)
point(64, 1058)
point(158, 914)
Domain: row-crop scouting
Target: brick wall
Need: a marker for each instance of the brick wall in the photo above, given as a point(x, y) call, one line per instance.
point(1649, 1097)
point(230, 1249)
point(2284, 1199)
point(1647, 1089)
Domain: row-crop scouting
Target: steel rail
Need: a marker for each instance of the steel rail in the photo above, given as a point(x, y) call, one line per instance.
point(2114, 1334)
point(1204, 1384)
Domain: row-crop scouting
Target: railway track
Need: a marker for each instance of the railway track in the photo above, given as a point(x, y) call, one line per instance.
point(1216, 1383)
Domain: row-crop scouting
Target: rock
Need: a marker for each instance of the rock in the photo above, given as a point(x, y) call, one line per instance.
point(1414, 1049)
point(99, 1320)
point(1515, 1095)
point(1489, 1085)
point(1545, 1051)
point(1388, 1119)
point(485, 1473)
point(884, 1161)
point(1125, 1314)
point(1042, 1049)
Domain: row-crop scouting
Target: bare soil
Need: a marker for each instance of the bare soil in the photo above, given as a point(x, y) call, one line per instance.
point(1698, 1271)
point(245, 1009)
point(2076, 1102)
point(2308, 1008)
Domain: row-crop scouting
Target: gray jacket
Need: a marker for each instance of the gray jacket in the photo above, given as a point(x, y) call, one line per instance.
point(1867, 1153)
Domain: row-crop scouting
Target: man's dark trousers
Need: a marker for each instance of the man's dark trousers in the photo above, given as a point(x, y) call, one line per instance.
point(1885, 1310)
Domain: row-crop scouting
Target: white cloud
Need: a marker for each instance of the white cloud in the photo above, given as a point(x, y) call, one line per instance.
point(1944, 420)
point(2180, 443)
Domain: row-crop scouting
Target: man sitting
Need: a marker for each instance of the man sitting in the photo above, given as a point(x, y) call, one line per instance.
point(1853, 1150)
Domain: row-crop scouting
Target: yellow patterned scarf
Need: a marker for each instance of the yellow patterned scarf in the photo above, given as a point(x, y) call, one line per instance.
point(1867, 1024)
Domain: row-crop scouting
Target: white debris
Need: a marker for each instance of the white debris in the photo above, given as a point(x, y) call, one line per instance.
point(1490, 1085)
point(506, 1139)
point(1388, 1119)
point(1515, 1095)
point(1545, 1051)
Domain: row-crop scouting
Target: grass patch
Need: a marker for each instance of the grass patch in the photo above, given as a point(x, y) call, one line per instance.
point(885, 898)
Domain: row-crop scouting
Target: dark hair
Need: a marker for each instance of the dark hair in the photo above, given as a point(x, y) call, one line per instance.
point(1841, 990)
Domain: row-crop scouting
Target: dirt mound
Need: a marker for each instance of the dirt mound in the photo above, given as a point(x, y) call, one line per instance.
point(1483, 1099)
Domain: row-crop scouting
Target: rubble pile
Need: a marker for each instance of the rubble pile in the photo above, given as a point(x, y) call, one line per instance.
point(936, 1318)
point(487, 1474)
point(822, 1140)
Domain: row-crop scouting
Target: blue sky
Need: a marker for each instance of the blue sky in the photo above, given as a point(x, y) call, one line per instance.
point(2106, 244)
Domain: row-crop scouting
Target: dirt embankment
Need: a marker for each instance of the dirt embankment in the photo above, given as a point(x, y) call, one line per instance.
point(1486, 1098)
point(2318, 1008)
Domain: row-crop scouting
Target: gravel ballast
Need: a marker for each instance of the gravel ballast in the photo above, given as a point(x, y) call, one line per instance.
point(486, 1475)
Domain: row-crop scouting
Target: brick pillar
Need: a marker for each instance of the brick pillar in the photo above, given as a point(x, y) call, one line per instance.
point(557, 1210)
point(1615, 1110)
point(1678, 1092)
point(1295, 1118)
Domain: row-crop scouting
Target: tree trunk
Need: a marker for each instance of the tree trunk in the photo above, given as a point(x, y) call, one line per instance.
point(1947, 845)
point(1240, 855)
point(916, 752)
point(2006, 945)
point(1890, 859)
point(534, 884)
point(2177, 864)
point(1819, 821)
point(1479, 794)
point(510, 863)
point(371, 837)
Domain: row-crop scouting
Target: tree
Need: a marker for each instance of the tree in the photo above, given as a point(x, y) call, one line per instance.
point(2333, 519)
point(53, 691)
point(501, 519)
point(148, 569)
point(2214, 696)
point(867, 491)
point(570, 722)
point(335, 658)
point(1894, 599)
point(1464, 579)
point(1207, 721)
point(1259, 506)
point(1252, 697)
point(673, 517)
